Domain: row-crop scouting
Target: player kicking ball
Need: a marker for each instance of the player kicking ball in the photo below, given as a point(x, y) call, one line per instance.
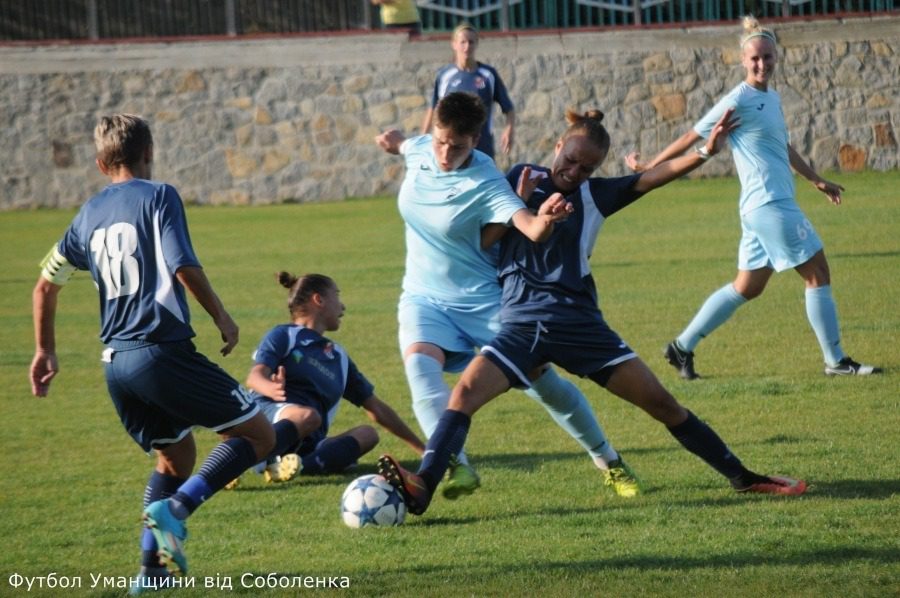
point(550, 314)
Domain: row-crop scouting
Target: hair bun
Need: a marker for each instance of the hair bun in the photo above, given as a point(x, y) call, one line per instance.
point(286, 279)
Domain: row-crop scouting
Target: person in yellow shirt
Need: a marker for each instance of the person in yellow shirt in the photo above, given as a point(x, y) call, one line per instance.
point(400, 14)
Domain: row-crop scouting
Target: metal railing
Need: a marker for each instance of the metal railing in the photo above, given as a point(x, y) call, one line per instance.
point(443, 15)
point(108, 19)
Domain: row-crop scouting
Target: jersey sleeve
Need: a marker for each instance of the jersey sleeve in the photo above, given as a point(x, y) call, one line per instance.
point(358, 388)
point(175, 240)
point(272, 348)
point(73, 247)
point(611, 195)
point(500, 201)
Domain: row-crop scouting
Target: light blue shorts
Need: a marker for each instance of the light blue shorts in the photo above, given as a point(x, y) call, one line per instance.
point(456, 328)
point(777, 235)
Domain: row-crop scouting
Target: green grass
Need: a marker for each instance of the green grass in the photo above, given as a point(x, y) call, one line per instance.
point(72, 480)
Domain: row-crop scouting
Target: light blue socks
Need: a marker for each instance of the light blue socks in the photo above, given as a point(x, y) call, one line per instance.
point(571, 411)
point(822, 314)
point(430, 394)
point(716, 310)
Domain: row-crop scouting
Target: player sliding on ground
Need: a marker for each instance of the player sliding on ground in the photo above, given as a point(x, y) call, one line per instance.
point(550, 314)
point(300, 376)
point(776, 234)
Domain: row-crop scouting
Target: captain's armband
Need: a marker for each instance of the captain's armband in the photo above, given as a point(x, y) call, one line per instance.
point(56, 268)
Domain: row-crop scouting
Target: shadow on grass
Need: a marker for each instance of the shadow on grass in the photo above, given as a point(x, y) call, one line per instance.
point(305, 481)
point(837, 556)
point(876, 489)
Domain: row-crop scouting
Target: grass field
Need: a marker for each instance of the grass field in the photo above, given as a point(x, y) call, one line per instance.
point(542, 525)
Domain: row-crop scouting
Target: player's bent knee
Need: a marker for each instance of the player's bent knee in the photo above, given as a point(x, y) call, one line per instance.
point(257, 431)
point(367, 437)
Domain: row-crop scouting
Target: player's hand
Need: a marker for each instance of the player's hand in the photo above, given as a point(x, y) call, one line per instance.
point(278, 382)
point(526, 185)
point(390, 141)
point(725, 125)
point(556, 207)
point(229, 331)
point(633, 161)
point(832, 190)
point(43, 369)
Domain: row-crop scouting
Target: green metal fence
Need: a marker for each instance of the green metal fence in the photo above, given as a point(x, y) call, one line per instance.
point(109, 19)
point(443, 15)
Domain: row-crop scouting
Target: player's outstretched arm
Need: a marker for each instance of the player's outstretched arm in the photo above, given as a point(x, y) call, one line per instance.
point(44, 365)
point(676, 148)
point(670, 170)
point(382, 414)
point(194, 280)
point(832, 190)
point(390, 141)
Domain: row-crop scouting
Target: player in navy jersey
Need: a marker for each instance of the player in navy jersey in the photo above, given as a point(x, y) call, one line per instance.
point(467, 74)
point(777, 236)
point(451, 295)
point(549, 314)
point(301, 376)
point(133, 239)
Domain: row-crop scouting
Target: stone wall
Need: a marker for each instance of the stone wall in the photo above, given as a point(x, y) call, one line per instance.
point(293, 119)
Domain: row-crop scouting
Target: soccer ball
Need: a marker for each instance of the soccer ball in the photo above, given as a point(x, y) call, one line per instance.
point(371, 500)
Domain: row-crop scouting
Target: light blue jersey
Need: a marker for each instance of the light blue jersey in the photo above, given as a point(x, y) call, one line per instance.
point(759, 145)
point(444, 213)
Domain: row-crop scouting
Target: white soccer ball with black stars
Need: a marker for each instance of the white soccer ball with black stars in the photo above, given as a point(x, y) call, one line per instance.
point(371, 500)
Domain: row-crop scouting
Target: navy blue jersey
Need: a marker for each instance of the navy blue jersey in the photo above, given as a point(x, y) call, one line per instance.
point(553, 279)
point(318, 371)
point(132, 237)
point(485, 82)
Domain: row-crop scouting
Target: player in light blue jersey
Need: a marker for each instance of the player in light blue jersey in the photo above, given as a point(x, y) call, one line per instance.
point(467, 74)
point(550, 315)
point(133, 239)
point(777, 236)
point(451, 296)
point(300, 376)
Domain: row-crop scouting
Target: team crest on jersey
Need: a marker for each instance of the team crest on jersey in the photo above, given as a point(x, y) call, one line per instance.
point(296, 355)
point(328, 350)
point(480, 83)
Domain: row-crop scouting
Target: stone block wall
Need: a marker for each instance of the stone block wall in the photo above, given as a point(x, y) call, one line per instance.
point(293, 119)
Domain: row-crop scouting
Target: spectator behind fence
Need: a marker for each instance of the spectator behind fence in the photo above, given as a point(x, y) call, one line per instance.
point(399, 15)
point(467, 74)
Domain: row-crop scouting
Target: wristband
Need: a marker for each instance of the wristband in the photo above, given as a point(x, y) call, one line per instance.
point(703, 152)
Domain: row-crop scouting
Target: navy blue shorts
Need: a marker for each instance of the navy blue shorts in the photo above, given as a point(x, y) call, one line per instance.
point(161, 391)
point(583, 348)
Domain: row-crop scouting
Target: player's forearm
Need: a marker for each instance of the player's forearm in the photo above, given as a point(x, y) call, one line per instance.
point(195, 281)
point(668, 171)
point(382, 414)
point(537, 228)
point(802, 167)
point(676, 148)
point(44, 301)
point(426, 122)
